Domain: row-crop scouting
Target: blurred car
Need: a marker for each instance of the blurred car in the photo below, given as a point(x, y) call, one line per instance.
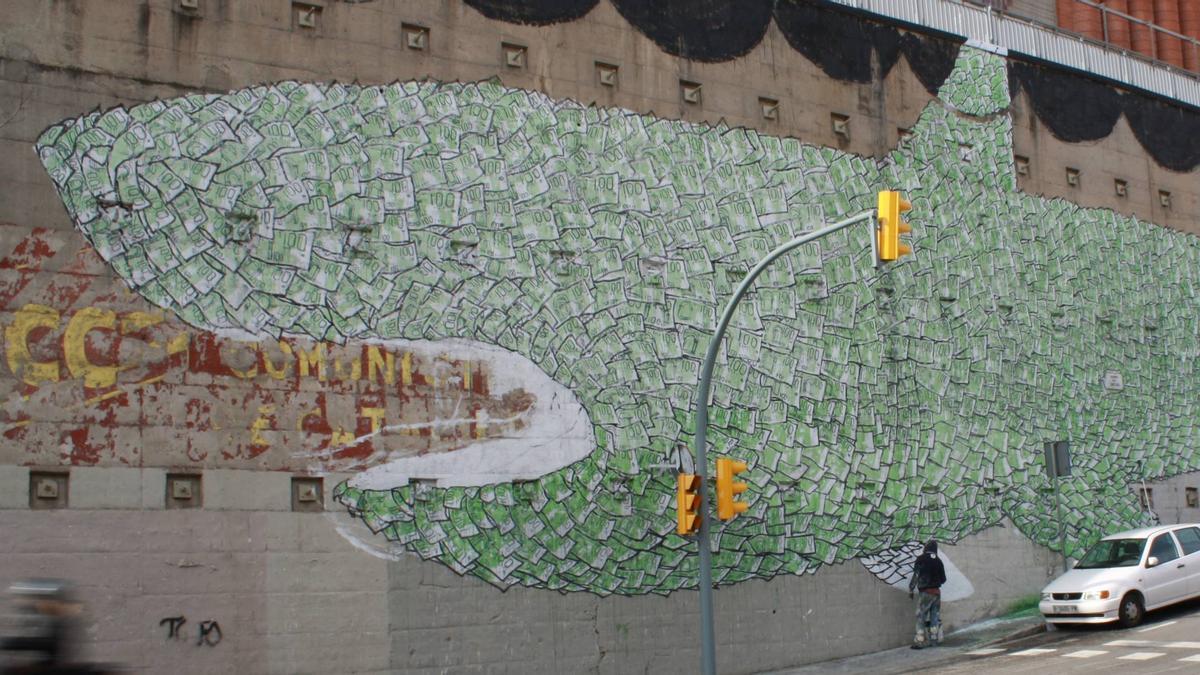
point(1127, 574)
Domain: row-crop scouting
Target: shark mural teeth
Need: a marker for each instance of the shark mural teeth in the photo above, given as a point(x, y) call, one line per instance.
point(875, 409)
point(542, 427)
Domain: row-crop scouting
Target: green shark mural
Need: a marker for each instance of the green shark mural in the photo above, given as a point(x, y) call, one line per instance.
point(874, 407)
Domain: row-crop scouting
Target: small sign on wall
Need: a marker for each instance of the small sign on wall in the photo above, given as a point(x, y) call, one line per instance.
point(1113, 381)
point(1058, 459)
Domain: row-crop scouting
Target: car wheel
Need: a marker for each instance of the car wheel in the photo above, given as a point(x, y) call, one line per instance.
point(1131, 611)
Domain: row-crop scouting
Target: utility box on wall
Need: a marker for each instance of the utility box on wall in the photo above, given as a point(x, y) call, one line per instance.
point(48, 489)
point(184, 491)
point(308, 494)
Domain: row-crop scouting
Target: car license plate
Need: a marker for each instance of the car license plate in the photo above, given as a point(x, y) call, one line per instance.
point(1066, 609)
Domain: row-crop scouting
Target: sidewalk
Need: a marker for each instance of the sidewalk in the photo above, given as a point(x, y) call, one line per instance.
point(954, 647)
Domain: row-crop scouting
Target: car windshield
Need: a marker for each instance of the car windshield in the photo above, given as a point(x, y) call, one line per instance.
point(1113, 553)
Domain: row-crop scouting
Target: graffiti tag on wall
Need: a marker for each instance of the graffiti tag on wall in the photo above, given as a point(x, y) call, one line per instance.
point(208, 632)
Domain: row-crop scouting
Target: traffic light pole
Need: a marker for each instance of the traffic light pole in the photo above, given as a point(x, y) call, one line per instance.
point(708, 650)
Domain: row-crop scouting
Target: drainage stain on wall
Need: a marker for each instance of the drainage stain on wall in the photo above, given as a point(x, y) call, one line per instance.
point(875, 408)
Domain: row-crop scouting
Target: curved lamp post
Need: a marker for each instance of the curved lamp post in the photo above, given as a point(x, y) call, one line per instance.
point(708, 648)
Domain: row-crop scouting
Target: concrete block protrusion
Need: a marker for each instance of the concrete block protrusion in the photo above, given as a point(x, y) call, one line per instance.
point(99, 487)
point(14, 487)
point(232, 490)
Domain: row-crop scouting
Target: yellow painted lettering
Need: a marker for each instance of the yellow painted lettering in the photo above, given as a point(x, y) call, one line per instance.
point(261, 424)
point(16, 338)
point(135, 321)
point(315, 412)
point(312, 361)
point(406, 369)
point(339, 369)
point(75, 345)
point(247, 373)
point(376, 417)
point(178, 344)
point(377, 359)
point(282, 371)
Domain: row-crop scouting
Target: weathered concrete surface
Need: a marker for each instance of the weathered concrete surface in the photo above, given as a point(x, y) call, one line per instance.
point(96, 377)
point(60, 58)
point(291, 596)
point(287, 593)
point(1169, 497)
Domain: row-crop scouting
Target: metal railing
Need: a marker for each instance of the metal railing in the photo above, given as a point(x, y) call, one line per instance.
point(1108, 15)
point(1037, 39)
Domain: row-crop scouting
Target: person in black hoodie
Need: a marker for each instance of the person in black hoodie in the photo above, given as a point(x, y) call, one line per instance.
point(928, 576)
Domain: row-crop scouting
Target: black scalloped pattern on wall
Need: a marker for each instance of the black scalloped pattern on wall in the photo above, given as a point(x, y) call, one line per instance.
point(533, 12)
point(1073, 107)
point(1077, 108)
point(700, 30)
point(840, 43)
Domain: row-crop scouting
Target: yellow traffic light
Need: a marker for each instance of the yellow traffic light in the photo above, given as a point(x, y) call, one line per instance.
point(727, 508)
point(687, 504)
point(891, 226)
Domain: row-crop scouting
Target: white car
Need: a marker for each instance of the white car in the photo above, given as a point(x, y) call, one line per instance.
point(1126, 574)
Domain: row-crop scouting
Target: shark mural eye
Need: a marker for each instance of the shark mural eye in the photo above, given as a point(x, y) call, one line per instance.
point(579, 256)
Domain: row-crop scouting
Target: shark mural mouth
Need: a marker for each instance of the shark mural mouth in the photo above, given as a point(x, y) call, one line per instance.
point(535, 427)
point(584, 253)
point(454, 412)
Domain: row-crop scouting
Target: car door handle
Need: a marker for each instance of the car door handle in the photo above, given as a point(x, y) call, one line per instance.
point(1180, 565)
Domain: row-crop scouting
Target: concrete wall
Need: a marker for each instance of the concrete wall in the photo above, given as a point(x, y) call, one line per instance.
point(1117, 157)
point(290, 596)
point(1169, 497)
point(285, 592)
point(63, 57)
point(290, 593)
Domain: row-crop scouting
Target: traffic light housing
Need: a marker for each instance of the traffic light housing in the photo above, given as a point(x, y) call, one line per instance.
point(687, 504)
point(891, 225)
point(727, 488)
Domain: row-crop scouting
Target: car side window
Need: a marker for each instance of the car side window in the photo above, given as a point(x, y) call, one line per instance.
point(1189, 539)
point(1163, 548)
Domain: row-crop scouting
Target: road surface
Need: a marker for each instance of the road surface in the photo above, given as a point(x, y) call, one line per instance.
point(1168, 642)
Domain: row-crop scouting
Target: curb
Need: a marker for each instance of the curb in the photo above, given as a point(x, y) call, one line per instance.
point(1019, 634)
point(956, 653)
point(900, 660)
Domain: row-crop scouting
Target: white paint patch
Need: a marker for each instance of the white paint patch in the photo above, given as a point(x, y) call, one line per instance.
point(1191, 659)
point(556, 430)
point(984, 651)
point(1033, 652)
point(987, 46)
point(1141, 656)
point(1157, 626)
point(957, 585)
point(985, 625)
point(1085, 653)
point(354, 531)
